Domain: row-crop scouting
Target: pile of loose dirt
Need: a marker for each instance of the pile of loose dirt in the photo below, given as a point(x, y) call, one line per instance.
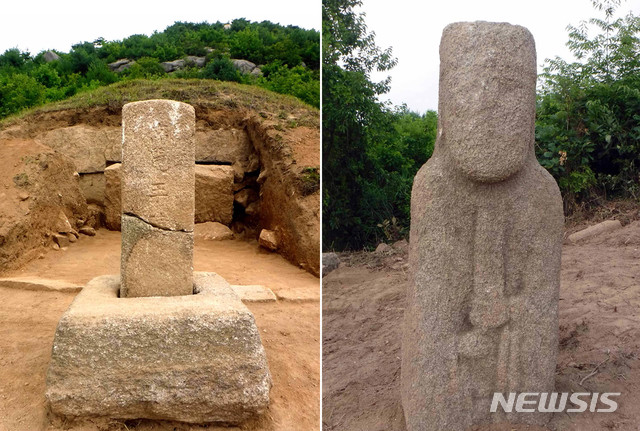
point(363, 307)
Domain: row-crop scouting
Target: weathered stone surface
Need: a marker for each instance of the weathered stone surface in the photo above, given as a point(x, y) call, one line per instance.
point(254, 293)
point(212, 231)
point(112, 139)
point(62, 224)
point(246, 196)
point(268, 239)
point(87, 230)
point(157, 195)
point(172, 66)
point(486, 234)
point(158, 163)
point(37, 283)
point(112, 197)
point(591, 231)
point(214, 194)
point(244, 66)
point(330, 261)
point(195, 358)
point(84, 145)
point(120, 65)
point(155, 262)
point(193, 60)
point(61, 240)
point(223, 146)
point(50, 56)
point(92, 186)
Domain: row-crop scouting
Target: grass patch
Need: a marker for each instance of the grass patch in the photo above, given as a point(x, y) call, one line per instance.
point(200, 92)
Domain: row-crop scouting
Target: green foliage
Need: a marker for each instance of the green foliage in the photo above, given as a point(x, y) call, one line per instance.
point(370, 152)
point(588, 126)
point(281, 50)
point(221, 68)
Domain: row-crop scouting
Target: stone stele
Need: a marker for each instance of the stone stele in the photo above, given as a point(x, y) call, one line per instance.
point(196, 358)
point(158, 177)
point(486, 235)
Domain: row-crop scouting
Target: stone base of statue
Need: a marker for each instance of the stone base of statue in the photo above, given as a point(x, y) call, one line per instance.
point(195, 358)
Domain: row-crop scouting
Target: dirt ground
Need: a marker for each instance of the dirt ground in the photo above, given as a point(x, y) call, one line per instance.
point(363, 305)
point(290, 333)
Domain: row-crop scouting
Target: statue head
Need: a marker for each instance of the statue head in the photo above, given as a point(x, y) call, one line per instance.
point(487, 98)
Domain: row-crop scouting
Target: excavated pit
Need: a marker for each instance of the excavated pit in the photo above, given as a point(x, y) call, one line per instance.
point(253, 171)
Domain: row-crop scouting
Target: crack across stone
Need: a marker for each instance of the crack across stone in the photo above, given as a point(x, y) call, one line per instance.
point(154, 225)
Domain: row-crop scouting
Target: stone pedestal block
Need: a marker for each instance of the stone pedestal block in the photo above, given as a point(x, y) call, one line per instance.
point(195, 358)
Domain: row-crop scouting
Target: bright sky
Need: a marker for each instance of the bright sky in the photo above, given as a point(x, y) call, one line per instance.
point(414, 28)
point(40, 25)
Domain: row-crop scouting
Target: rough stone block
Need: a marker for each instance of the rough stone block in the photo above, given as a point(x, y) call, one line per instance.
point(213, 194)
point(195, 358)
point(212, 231)
point(112, 197)
point(84, 145)
point(92, 187)
point(155, 262)
point(222, 146)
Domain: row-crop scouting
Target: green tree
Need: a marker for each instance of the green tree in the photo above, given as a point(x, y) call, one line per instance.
point(588, 126)
point(351, 117)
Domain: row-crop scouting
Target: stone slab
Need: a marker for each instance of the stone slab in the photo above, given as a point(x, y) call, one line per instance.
point(223, 146)
point(254, 293)
point(112, 197)
point(155, 262)
point(597, 229)
point(196, 358)
point(158, 163)
point(298, 294)
point(92, 187)
point(37, 283)
point(84, 145)
point(213, 194)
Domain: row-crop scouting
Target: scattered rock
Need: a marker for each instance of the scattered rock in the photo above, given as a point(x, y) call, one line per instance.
point(62, 224)
point(71, 237)
point(120, 65)
point(50, 56)
point(61, 240)
point(23, 196)
point(246, 196)
point(401, 245)
point(244, 66)
point(383, 248)
point(212, 231)
point(88, 230)
point(195, 61)
point(330, 261)
point(591, 231)
point(172, 66)
point(268, 239)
